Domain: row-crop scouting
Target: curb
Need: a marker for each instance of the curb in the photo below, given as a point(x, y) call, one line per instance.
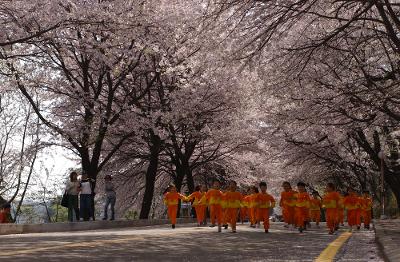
point(8, 229)
point(386, 244)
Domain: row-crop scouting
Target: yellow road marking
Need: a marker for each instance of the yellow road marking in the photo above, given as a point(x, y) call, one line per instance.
point(331, 250)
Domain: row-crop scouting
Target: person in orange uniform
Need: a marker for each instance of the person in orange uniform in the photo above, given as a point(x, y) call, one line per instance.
point(225, 213)
point(199, 203)
point(264, 202)
point(5, 214)
point(252, 206)
point(315, 208)
point(233, 200)
point(302, 205)
point(330, 202)
point(171, 200)
point(352, 204)
point(341, 211)
point(287, 203)
point(244, 208)
point(213, 199)
point(366, 209)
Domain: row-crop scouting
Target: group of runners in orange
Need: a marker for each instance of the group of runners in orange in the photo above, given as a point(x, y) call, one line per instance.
point(298, 207)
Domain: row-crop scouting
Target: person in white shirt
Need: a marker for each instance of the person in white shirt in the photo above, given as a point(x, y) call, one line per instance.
point(72, 192)
point(86, 193)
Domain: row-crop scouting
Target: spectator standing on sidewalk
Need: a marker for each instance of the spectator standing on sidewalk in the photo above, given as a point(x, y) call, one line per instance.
point(72, 192)
point(85, 188)
point(5, 214)
point(111, 197)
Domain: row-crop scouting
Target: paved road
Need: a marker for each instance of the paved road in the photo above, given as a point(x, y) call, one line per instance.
point(186, 243)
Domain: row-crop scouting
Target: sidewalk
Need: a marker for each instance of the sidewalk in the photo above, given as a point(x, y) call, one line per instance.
point(7, 229)
point(387, 234)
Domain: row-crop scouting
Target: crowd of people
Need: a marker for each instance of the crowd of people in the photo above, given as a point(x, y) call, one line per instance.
point(229, 206)
point(80, 195)
point(299, 208)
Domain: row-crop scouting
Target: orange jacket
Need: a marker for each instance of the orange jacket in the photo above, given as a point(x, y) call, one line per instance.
point(331, 200)
point(171, 199)
point(245, 201)
point(265, 200)
point(233, 199)
point(288, 198)
point(315, 204)
point(252, 200)
point(199, 199)
point(213, 197)
point(366, 203)
point(352, 202)
point(5, 216)
point(302, 200)
point(341, 204)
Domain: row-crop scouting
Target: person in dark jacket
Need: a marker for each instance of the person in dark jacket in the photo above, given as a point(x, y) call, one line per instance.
point(111, 197)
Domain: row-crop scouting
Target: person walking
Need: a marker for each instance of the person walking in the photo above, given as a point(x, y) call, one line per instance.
point(111, 197)
point(330, 202)
point(72, 191)
point(265, 203)
point(171, 200)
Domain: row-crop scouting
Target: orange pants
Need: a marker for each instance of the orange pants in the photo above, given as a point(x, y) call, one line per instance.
point(331, 218)
point(301, 215)
point(216, 214)
point(341, 215)
point(243, 213)
point(172, 212)
point(231, 216)
point(315, 216)
point(200, 213)
point(358, 217)
point(366, 214)
point(288, 215)
point(225, 216)
point(353, 217)
point(263, 215)
point(253, 215)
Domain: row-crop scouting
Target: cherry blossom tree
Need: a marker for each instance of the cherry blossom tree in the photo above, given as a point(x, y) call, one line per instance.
point(331, 75)
point(20, 143)
point(92, 73)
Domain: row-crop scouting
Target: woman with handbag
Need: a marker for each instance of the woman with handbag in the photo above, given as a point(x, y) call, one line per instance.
point(72, 195)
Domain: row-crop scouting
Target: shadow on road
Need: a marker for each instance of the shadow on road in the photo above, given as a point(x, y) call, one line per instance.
point(164, 244)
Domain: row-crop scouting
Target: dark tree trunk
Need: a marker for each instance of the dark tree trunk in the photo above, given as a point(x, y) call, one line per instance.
point(180, 175)
point(150, 177)
point(393, 181)
point(190, 180)
point(90, 170)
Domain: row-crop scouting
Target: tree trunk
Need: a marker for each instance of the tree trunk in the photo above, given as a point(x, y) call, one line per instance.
point(180, 175)
point(91, 171)
point(393, 181)
point(190, 180)
point(150, 177)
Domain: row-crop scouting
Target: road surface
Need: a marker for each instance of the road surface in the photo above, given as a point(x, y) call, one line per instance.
point(186, 243)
